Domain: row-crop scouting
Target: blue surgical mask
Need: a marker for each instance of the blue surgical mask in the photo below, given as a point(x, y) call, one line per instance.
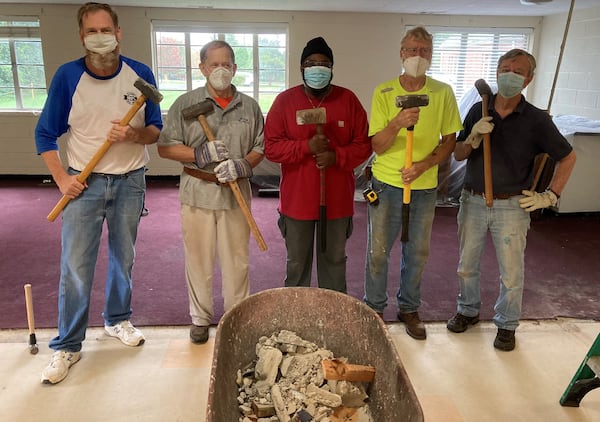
point(317, 77)
point(510, 84)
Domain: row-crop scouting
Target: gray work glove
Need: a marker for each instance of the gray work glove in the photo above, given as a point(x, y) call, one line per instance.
point(483, 126)
point(534, 200)
point(211, 152)
point(231, 170)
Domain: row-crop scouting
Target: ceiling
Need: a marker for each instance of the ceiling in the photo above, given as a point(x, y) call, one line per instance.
point(437, 7)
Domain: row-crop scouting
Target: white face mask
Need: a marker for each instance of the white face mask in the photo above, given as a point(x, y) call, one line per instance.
point(220, 78)
point(101, 43)
point(415, 66)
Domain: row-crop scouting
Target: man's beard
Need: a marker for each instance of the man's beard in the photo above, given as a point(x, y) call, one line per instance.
point(104, 61)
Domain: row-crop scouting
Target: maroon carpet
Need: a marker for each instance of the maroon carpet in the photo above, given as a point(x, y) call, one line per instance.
point(562, 266)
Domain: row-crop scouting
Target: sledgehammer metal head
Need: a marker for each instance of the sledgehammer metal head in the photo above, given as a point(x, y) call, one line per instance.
point(483, 88)
point(202, 108)
point(410, 101)
point(148, 90)
point(312, 116)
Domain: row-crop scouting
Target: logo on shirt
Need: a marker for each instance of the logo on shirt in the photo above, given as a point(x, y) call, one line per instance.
point(130, 97)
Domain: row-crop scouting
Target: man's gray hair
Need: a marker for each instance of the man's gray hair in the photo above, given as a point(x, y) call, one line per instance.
point(516, 52)
point(215, 44)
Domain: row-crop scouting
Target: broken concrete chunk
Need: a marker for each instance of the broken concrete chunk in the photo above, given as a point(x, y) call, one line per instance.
point(287, 382)
point(267, 365)
point(323, 396)
point(353, 395)
point(279, 404)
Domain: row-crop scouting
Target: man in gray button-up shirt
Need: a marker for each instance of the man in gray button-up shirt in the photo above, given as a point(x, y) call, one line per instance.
point(211, 219)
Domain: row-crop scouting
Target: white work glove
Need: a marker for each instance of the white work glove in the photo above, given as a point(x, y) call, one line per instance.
point(211, 152)
point(480, 128)
point(535, 200)
point(231, 170)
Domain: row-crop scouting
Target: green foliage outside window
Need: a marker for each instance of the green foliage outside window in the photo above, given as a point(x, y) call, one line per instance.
point(260, 59)
point(22, 77)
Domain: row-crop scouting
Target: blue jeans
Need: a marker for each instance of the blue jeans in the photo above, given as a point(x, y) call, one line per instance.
point(119, 200)
point(299, 236)
point(383, 227)
point(508, 224)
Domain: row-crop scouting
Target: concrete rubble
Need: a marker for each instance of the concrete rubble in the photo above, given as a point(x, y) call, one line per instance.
point(286, 384)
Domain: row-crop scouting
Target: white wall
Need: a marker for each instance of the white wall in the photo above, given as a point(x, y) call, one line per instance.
point(578, 85)
point(365, 47)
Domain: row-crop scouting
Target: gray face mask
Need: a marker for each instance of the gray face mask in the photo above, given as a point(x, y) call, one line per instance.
point(100, 43)
point(510, 84)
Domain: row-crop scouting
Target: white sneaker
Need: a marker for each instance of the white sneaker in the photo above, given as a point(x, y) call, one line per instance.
point(125, 332)
point(58, 369)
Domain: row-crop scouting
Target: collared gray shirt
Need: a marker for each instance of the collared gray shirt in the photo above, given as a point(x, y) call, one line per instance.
point(240, 125)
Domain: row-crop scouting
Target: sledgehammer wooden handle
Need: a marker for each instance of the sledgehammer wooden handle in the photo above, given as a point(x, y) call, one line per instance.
point(487, 158)
point(82, 177)
point(235, 188)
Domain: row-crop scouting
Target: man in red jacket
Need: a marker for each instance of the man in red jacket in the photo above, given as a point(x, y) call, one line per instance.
point(303, 153)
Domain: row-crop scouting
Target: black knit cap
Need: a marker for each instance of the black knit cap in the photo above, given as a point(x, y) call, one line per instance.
point(316, 46)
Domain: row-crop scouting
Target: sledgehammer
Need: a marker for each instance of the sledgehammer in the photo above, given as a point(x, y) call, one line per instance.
point(318, 116)
point(485, 92)
point(33, 347)
point(408, 101)
point(199, 111)
point(147, 92)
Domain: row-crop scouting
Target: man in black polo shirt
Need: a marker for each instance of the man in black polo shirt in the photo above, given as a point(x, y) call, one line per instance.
point(519, 131)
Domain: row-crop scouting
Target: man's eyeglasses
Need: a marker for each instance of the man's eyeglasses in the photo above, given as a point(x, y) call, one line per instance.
point(311, 63)
point(213, 66)
point(421, 50)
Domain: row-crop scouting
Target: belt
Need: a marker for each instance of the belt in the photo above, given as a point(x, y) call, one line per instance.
point(495, 195)
point(117, 176)
point(202, 175)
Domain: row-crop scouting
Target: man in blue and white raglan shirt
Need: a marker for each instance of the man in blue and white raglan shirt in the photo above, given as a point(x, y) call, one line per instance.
point(86, 101)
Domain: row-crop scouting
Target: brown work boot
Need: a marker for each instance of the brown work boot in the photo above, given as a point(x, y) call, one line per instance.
point(414, 327)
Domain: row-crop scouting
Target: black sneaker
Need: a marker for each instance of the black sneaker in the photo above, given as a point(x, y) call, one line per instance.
point(505, 340)
point(199, 334)
point(459, 323)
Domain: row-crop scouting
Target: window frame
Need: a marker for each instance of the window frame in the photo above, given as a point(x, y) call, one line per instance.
point(13, 33)
point(487, 68)
point(222, 29)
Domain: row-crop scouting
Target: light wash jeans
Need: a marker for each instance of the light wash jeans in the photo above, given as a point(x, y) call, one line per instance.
point(508, 224)
point(383, 227)
point(119, 200)
point(300, 242)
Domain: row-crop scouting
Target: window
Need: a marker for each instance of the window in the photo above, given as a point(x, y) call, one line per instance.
point(462, 56)
point(260, 55)
point(22, 79)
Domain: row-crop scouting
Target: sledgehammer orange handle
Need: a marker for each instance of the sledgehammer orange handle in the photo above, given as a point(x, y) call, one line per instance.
point(235, 188)
point(81, 177)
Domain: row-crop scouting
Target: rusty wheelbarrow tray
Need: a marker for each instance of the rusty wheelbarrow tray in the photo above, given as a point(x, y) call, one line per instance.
point(330, 319)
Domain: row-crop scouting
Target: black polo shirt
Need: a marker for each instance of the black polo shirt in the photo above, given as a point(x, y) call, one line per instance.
point(515, 141)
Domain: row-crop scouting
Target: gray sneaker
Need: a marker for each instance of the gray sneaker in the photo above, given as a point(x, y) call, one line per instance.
point(199, 334)
point(127, 333)
point(58, 368)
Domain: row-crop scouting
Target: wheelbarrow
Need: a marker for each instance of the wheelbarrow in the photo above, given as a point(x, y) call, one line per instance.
point(330, 319)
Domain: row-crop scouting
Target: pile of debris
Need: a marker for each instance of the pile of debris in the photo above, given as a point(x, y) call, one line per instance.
point(293, 380)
